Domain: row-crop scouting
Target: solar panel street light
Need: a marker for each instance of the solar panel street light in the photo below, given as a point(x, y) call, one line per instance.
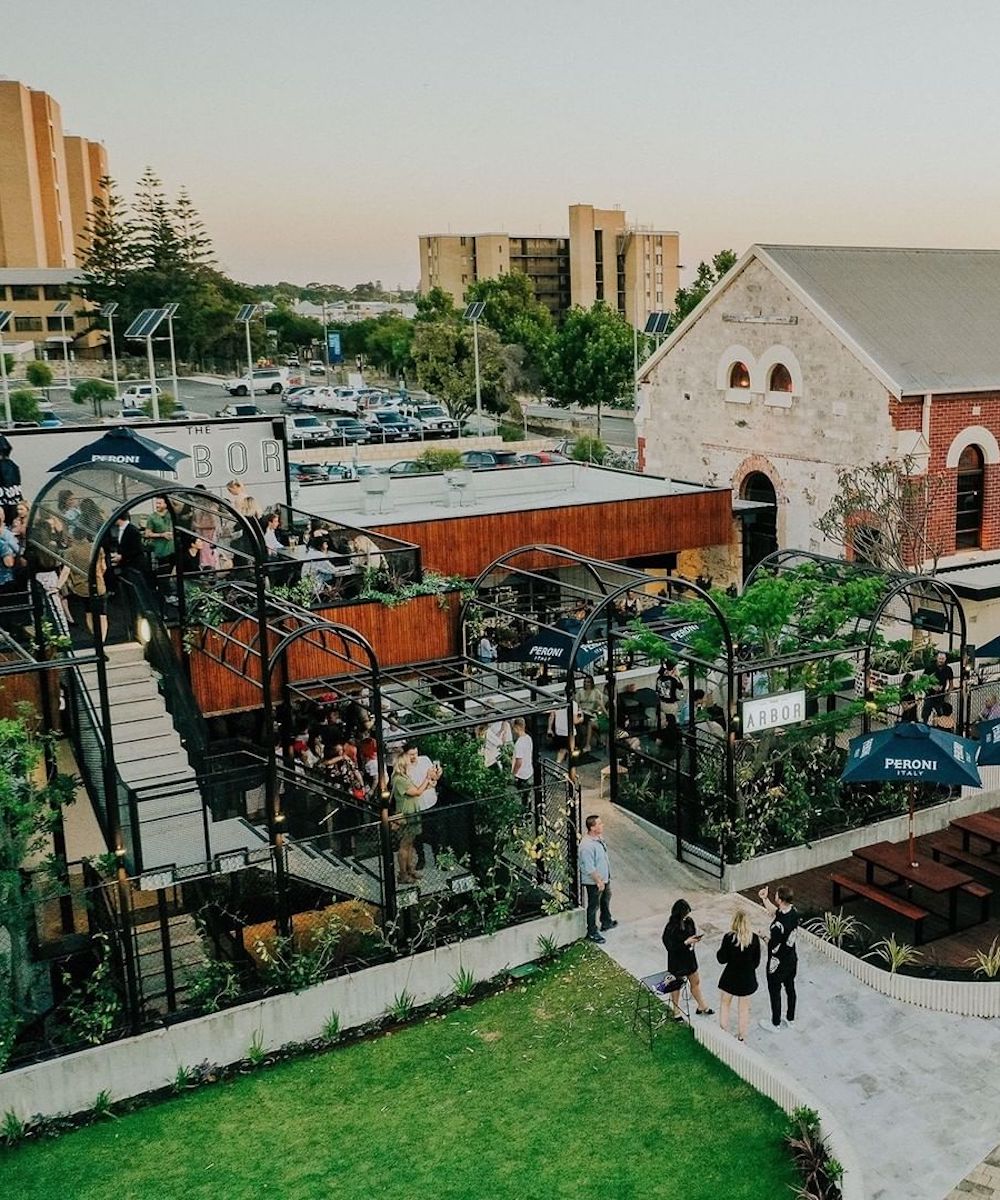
point(60, 311)
point(169, 312)
point(473, 313)
point(244, 317)
point(109, 310)
point(5, 315)
point(142, 330)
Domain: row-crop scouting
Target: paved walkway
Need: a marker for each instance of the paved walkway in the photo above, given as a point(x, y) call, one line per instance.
point(917, 1093)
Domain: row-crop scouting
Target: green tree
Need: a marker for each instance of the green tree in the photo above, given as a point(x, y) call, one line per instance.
point(706, 277)
point(588, 449)
point(165, 403)
point(440, 459)
point(28, 814)
point(437, 305)
point(107, 248)
point(520, 321)
point(388, 343)
point(158, 243)
point(592, 360)
point(444, 360)
point(93, 392)
point(294, 331)
point(39, 374)
point(24, 406)
point(8, 363)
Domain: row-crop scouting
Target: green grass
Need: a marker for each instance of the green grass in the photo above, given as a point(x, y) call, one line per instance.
point(542, 1091)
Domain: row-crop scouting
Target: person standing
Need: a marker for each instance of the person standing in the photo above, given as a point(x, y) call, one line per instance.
point(595, 873)
point(740, 956)
point(943, 678)
point(523, 766)
point(669, 689)
point(559, 729)
point(782, 956)
point(679, 939)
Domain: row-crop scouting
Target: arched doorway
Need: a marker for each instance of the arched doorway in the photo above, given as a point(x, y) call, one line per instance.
point(760, 527)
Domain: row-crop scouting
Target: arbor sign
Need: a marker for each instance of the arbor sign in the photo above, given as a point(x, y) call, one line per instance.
point(771, 712)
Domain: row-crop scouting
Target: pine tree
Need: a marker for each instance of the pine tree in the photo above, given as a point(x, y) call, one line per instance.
point(107, 247)
point(196, 247)
point(158, 244)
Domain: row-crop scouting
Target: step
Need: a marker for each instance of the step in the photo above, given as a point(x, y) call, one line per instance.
point(129, 693)
point(120, 652)
point(117, 673)
point(180, 842)
point(170, 803)
point(131, 727)
point(169, 766)
point(138, 711)
point(143, 748)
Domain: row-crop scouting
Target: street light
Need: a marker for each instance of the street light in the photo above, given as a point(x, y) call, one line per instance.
point(326, 347)
point(109, 311)
point(5, 315)
point(60, 312)
point(244, 317)
point(142, 330)
point(473, 313)
point(169, 312)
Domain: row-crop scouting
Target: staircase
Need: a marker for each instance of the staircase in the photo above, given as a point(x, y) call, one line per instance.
point(188, 957)
point(151, 760)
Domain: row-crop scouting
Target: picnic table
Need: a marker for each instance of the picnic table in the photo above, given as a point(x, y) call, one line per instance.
point(980, 825)
point(930, 875)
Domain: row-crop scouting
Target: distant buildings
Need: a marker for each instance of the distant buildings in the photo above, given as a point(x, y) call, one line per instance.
point(48, 183)
point(634, 270)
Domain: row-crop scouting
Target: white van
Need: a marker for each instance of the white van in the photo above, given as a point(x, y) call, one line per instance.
point(265, 379)
point(137, 395)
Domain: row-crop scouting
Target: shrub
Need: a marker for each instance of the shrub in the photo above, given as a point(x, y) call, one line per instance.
point(588, 449)
point(93, 392)
point(24, 406)
point(166, 404)
point(438, 459)
point(39, 374)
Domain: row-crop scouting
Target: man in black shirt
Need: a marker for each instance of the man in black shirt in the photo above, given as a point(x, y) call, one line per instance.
point(944, 679)
point(782, 957)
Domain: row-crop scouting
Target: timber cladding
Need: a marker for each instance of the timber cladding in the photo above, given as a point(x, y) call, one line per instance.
point(467, 543)
point(425, 628)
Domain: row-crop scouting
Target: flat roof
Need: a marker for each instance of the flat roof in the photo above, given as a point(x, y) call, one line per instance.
point(53, 276)
point(484, 492)
point(977, 581)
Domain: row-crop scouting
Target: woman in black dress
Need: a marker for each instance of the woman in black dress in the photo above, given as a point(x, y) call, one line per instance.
point(680, 938)
point(740, 954)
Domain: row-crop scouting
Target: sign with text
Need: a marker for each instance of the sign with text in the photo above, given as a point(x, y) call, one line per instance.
point(333, 346)
point(771, 712)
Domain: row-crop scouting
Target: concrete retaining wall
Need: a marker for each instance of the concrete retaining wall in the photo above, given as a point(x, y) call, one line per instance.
point(141, 1064)
point(975, 998)
point(772, 1082)
point(783, 863)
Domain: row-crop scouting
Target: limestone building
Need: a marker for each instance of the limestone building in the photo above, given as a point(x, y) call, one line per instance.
point(807, 359)
point(634, 270)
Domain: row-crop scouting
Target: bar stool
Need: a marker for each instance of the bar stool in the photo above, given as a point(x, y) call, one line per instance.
point(660, 988)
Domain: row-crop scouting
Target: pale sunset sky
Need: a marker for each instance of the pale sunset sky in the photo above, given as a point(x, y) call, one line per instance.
point(318, 138)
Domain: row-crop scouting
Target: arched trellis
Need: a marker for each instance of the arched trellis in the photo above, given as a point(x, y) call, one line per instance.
point(106, 492)
point(612, 581)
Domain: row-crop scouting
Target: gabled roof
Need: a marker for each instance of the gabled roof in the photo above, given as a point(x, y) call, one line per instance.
point(921, 320)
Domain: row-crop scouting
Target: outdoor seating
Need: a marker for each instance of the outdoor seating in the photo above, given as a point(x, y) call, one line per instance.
point(943, 851)
point(985, 826)
point(899, 862)
point(904, 908)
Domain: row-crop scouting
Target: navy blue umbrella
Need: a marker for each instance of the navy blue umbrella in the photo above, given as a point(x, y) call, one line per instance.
point(124, 447)
point(910, 753)
point(988, 733)
point(551, 647)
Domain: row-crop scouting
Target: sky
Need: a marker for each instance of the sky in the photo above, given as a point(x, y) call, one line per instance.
point(319, 138)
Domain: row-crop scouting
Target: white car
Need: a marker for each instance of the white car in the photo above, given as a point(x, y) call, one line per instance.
point(435, 419)
point(306, 428)
point(265, 379)
point(317, 366)
point(138, 394)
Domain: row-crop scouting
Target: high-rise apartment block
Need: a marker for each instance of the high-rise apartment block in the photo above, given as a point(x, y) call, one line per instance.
point(48, 184)
point(634, 270)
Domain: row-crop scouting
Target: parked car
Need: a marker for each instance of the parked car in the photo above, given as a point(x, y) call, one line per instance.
point(541, 458)
point(290, 396)
point(435, 419)
point(317, 398)
point(51, 421)
point(131, 416)
point(306, 428)
point(265, 379)
point(181, 412)
point(317, 366)
point(387, 425)
point(292, 361)
point(239, 410)
point(490, 458)
point(346, 431)
point(138, 394)
point(308, 472)
point(407, 466)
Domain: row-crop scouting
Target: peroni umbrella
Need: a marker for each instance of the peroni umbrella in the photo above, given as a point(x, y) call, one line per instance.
point(989, 743)
point(124, 447)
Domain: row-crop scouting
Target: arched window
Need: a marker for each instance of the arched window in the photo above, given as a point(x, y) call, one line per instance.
point(780, 379)
point(969, 500)
point(739, 375)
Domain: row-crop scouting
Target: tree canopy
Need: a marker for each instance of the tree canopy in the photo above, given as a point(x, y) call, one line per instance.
point(706, 277)
point(591, 361)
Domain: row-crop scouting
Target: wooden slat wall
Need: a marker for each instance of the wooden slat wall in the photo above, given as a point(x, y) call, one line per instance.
point(420, 630)
point(466, 543)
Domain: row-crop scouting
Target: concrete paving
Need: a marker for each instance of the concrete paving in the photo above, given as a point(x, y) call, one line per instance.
point(917, 1093)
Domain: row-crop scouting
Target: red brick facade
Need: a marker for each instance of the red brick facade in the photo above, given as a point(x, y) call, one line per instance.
point(949, 417)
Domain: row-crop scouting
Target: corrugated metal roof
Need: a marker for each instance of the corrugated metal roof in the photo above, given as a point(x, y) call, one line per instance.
point(930, 319)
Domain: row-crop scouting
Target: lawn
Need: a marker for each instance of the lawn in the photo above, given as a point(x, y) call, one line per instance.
point(542, 1091)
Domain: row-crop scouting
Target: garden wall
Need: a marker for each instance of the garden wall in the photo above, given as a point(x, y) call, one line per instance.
point(782, 863)
point(772, 1082)
point(142, 1064)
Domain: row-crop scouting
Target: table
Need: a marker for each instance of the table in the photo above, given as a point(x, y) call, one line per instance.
point(931, 876)
point(636, 703)
point(980, 825)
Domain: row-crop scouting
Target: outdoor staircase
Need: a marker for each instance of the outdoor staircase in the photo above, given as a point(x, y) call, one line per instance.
point(312, 865)
point(151, 759)
point(188, 956)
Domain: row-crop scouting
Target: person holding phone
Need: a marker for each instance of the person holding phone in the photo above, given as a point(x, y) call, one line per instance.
point(680, 938)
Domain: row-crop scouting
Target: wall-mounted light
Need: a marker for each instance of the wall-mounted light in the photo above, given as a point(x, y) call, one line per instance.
point(143, 631)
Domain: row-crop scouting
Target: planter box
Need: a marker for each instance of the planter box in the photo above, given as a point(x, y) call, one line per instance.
point(878, 679)
point(137, 1065)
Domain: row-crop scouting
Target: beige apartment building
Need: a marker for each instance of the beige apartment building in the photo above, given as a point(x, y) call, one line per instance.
point(48, 184)
point(632, 269)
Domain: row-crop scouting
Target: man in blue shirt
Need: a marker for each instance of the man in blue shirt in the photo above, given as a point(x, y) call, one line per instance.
point(595, 874)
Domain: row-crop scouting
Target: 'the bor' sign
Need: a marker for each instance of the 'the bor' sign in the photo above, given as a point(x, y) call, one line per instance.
point(770, 712)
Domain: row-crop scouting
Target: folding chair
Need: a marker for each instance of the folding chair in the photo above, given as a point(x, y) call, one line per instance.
point(660, 988)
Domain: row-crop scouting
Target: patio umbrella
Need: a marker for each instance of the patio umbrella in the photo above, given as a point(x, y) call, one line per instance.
point(124, 447)
point(988, 733)
point(908, 753)
point(551, 647)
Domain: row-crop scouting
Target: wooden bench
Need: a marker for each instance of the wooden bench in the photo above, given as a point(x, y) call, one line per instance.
point(896, 904)
point(981, 893)
point(942, 850)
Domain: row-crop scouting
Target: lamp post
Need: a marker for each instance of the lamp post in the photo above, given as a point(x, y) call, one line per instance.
point(60, 312)
point(244, 317)
point(326, 347)
point(473, 313)
point(5, 314)
point(109, 311)
point(169, 312)
point(142, 330)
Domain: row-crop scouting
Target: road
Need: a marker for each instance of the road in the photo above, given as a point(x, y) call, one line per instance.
point(617, 430)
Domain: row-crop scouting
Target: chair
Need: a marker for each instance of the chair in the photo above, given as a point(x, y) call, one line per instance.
point(659, 987)
point(606, 775)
